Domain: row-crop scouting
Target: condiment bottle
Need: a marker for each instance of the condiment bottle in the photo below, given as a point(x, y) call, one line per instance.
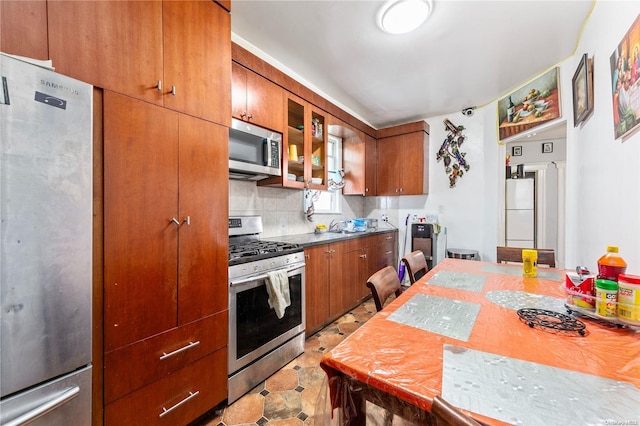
point(530, 263)
point(606, 298)
point(611, 265)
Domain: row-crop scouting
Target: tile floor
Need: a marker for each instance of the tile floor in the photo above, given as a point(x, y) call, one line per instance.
point(289, 396)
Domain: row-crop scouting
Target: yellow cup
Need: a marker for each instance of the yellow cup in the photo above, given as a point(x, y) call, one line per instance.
point(293, 152)
point(530, 263)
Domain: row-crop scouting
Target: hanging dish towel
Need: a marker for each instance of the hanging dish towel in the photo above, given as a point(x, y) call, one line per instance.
point(278, 289)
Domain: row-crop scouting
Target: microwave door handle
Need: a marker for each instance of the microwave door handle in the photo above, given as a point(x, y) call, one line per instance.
point(266, 152)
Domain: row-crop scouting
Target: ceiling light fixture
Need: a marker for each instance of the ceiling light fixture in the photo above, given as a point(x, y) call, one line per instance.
point(403, 16)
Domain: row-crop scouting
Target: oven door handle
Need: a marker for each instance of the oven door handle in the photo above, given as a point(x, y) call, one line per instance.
point(261, 276)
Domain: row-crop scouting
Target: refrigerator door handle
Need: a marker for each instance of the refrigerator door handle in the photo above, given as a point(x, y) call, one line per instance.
point(64, 397)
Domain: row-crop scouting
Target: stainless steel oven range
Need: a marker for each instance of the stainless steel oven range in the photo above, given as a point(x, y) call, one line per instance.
point(260, 343)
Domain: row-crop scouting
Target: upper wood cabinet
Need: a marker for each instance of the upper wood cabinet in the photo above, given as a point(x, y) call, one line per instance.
point(23, 28)
point(358, 158)
point(403, 160)
point(255, 99)
point(370, 166)
point(171, 53)
point(304, 147)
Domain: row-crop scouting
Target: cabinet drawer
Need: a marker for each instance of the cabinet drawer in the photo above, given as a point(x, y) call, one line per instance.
point(143, 362)
point(175, 399)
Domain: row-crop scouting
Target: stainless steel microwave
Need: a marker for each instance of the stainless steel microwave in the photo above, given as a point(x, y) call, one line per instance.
point(254, 152)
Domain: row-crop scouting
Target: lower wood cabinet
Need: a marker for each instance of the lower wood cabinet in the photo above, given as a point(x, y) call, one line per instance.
point(177, 398)
point(139, 364)
point(336, 275)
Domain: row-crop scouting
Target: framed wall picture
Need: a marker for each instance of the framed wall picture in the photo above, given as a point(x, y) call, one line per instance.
point(516, 151)
point(547, 147)
point(624, 83)
point(582, 85)
point(533, 104)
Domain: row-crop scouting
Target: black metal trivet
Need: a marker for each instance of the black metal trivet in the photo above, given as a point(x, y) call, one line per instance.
point(550, 320)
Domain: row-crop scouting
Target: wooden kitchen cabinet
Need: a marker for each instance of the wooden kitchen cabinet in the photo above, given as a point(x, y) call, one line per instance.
point(358, 158)
point(301, 142)
point(386, 252)
point(177, 398)
point(23, 28)
point(403, 160)
point(171, 53)
point(336, 275)
point(165, 253)
point(317, 272)
point(255, 99)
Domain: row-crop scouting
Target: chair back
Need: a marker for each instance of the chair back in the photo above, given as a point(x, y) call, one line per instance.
point(514, 254)
point(446, 414)
point(383, 284)
point(416, 265)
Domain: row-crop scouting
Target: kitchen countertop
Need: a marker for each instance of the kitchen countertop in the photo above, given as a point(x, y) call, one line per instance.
point(313, 239)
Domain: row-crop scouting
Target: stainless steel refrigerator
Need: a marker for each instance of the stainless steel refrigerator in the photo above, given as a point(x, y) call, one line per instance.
point(45, 246)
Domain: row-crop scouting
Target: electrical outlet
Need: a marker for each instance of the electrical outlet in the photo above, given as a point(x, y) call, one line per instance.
point(385, 218)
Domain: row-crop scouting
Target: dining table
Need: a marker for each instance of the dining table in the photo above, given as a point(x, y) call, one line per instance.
point(464, 332)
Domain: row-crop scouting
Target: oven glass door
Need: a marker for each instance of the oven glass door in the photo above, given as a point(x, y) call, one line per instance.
point(254, 328)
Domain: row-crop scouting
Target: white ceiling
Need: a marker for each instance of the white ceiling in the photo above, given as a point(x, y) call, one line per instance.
point(469, 53)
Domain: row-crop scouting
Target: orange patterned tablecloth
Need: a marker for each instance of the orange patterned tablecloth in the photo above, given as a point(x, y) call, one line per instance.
point(407, 362)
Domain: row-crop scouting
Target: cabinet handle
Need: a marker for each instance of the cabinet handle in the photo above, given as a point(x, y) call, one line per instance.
point(173, 90)
point(159, 85)
point(401, 189)
point(363, 256)
point(389, 238)
point(182, 349)
point(174, 220)
point(166, 411)
point(187, 220)
point(250, 116)
point(396, 189)
point(388, 252)
point(306, 256)
point(244, 114)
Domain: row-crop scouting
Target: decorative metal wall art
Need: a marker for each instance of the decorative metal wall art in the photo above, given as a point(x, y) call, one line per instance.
point(454, 162)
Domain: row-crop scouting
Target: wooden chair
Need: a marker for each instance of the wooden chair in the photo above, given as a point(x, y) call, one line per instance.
point(446, 414)
point(382, 284)
point(416, 265)
point(514, 254)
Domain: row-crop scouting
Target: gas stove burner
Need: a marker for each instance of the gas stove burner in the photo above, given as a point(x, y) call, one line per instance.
point(551, 321)
point(257, 249)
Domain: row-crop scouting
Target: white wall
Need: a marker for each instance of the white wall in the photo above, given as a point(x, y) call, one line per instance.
point(603, 174)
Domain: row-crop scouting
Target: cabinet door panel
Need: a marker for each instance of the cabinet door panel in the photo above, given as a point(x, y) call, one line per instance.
point(23, 28)
point(389, 150)
point(411, 180)
point(203, 238)
point(317, 286)
point(115, 45)
point(197, 54)
point(265, 102)
point(238, 91)
point(370, 166)
point(140, 198)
